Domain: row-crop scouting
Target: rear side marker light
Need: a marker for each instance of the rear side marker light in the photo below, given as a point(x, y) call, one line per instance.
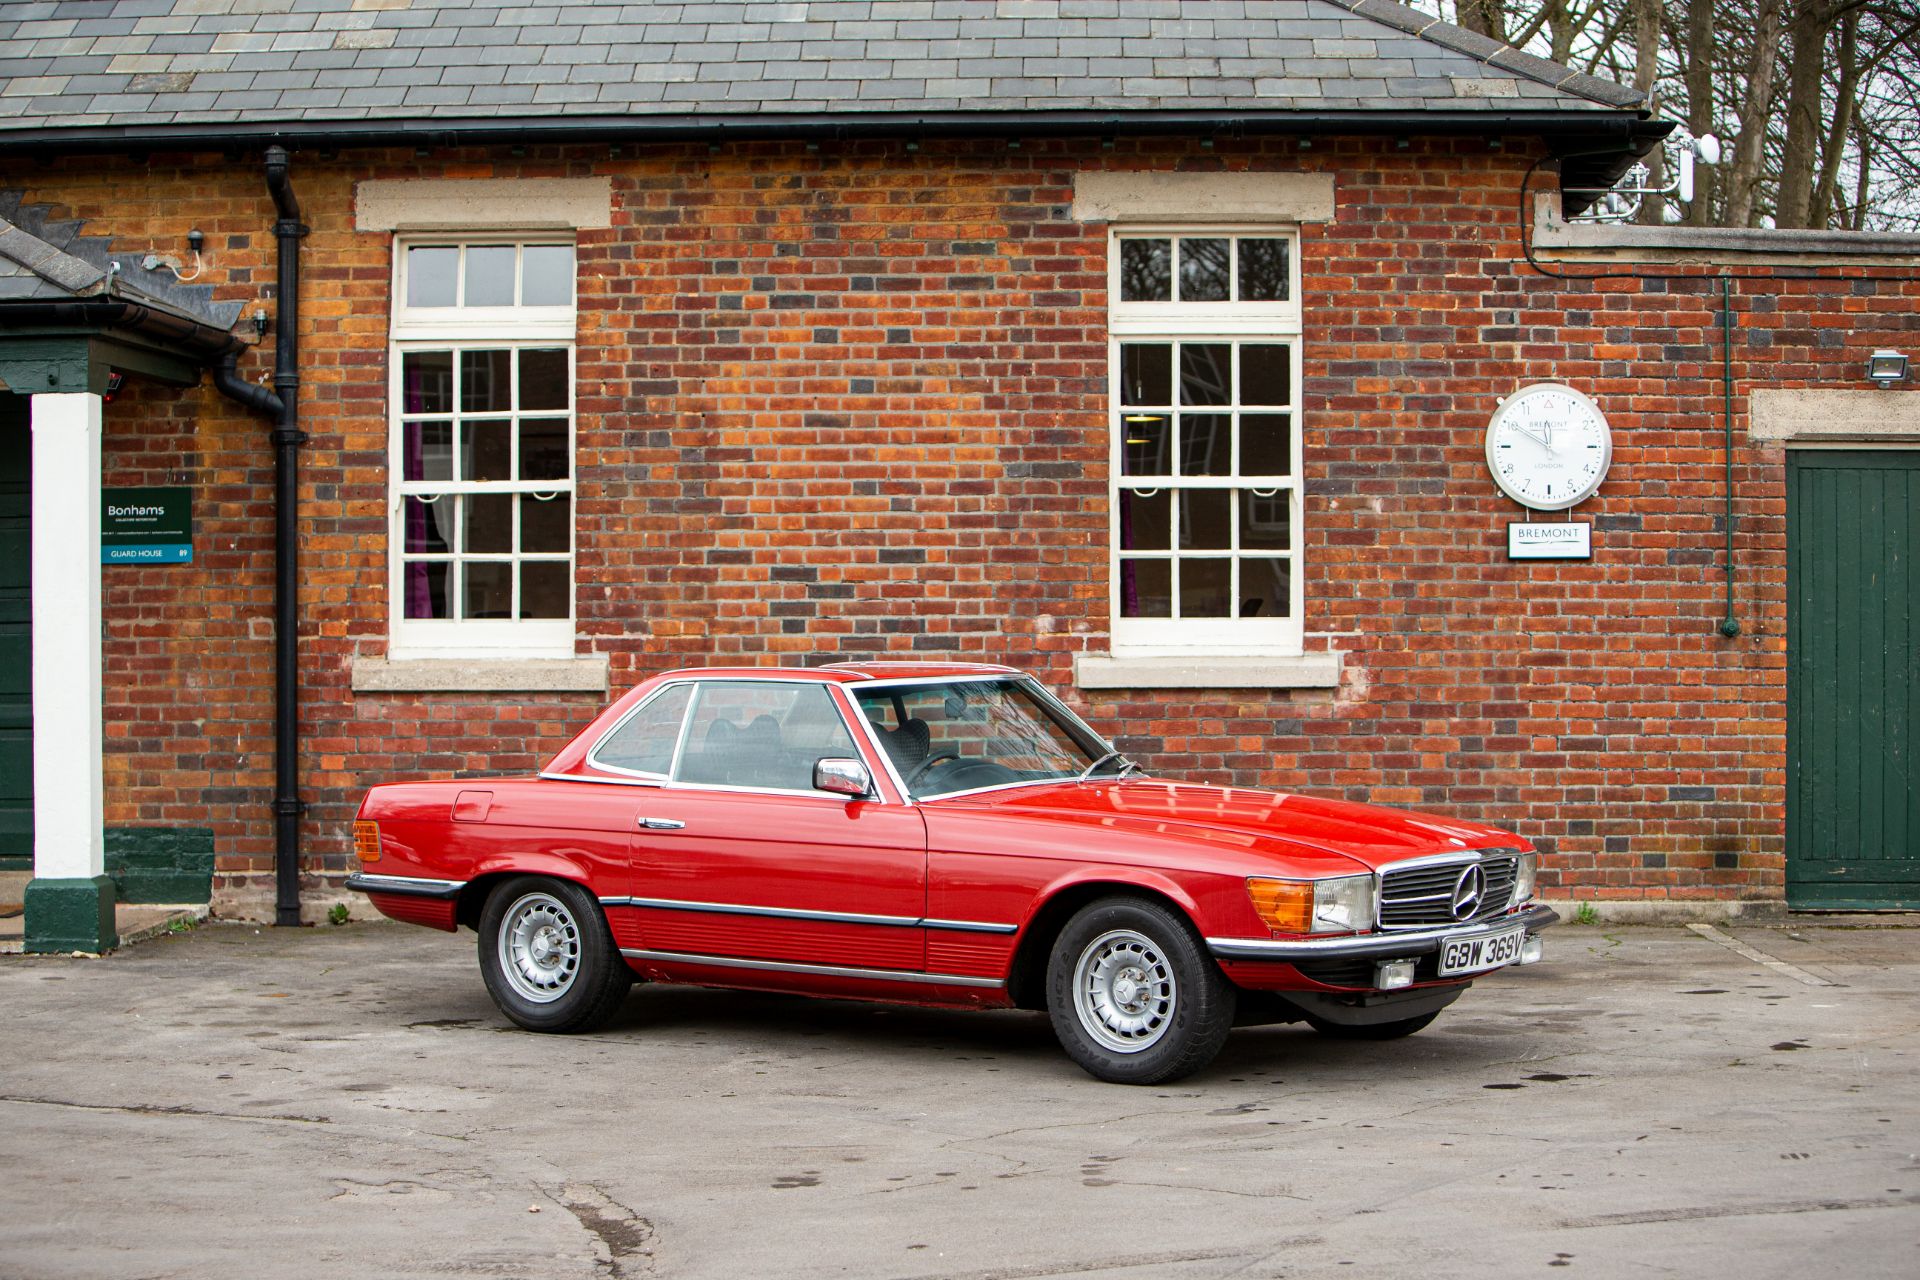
point(1393, 975)
point(366, 841)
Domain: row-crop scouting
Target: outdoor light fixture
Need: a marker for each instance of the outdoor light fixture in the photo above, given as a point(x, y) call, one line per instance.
point(1887, 367)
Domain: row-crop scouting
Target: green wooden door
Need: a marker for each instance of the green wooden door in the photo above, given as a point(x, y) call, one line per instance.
point(1853, 678)
point(16, 635)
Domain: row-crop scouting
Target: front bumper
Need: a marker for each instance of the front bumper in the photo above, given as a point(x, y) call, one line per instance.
point(1395, 946)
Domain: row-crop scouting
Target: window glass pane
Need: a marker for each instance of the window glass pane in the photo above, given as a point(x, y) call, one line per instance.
point(1265, 588)
point(545, 523)
point(424, 585)
point(1146, 373)
point(1263, 270)
point(1206, 444)
point(426, 451)
point(1204, 514)
point(429, 525)
point(485, 451)
point(645, 742)
point(430, 276)
point(490, 275)
point(1266, 373)
point(545, 586)
point(1204, 377)
point(426, 382)
point(546, 275)
point(543, 449)
point(753, 734)
point(1146, 589)
point(543, 378)
point(486, 381)
point(1145, 271)
point(1204, 588)
point(489, 527)
point(1266, 444)
point(489, 588)
point(1203, 270)
point(1145, 443)
point(1145, 521)
point(1265, 523)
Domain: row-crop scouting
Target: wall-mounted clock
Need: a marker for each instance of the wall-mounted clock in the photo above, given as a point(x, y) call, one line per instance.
point(1548, 446)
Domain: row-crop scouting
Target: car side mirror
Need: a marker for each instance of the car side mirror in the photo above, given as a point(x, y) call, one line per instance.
point(842, 777)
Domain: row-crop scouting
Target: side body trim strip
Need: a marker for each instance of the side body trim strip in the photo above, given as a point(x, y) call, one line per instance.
point(822, 970)
point(831, 917)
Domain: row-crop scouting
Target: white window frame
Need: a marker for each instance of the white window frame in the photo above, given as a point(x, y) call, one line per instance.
point(1176, 322)
point(476, 329)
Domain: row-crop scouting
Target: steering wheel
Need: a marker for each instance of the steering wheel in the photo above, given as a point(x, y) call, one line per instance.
point(939, 757)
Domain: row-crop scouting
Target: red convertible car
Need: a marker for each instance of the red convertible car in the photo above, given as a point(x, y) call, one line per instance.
point(948, 835)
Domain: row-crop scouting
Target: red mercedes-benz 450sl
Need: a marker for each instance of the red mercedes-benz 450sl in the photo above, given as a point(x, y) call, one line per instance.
point(948, 835)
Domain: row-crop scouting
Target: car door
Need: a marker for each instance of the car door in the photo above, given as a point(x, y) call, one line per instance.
point(738, 858)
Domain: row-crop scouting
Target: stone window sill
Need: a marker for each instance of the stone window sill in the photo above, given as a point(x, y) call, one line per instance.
point(1297, 671)
point(481, 675)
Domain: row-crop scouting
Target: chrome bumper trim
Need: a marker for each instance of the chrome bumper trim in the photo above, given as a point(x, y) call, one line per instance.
point(819, 970)
point(825, 917)
point(406, 886)
point(1375, 944)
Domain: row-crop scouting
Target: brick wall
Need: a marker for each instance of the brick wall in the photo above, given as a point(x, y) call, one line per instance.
point(851, 402)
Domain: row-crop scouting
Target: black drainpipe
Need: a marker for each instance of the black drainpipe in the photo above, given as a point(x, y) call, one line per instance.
point(283, 402)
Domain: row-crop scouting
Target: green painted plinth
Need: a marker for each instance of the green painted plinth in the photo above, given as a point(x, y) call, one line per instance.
point(70, 915)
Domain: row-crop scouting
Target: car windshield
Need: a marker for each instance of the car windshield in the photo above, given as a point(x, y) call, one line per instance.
point(962, 735)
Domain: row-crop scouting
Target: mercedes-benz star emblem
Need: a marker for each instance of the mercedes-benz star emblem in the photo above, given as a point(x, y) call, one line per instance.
point(1468, 892)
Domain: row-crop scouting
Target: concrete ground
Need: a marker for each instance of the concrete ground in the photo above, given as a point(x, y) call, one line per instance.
point(347, 1103)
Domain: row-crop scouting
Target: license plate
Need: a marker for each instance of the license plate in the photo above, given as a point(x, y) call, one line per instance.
point(1472, 955)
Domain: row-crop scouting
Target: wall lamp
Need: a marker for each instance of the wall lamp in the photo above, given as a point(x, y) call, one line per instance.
point(1887, 367)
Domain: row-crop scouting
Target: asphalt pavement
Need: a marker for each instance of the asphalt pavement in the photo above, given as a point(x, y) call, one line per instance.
point(346, 1102)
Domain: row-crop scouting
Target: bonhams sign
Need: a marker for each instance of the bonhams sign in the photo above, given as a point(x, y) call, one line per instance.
point(146, 526)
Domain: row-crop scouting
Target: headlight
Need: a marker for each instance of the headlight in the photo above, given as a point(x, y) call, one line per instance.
point(1524, 875)
point(1343, 904)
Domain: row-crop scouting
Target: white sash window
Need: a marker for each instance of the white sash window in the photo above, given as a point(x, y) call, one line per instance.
point(1205, 442)
point(481, 451)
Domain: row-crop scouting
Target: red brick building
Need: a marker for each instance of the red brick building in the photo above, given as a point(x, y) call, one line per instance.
point(936, 335)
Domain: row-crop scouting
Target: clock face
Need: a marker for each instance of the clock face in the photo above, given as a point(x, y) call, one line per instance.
point(1548, 447)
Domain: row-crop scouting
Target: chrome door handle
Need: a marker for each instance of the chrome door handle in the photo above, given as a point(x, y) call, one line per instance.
point(661, 824)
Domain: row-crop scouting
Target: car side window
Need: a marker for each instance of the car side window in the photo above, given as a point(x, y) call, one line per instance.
point(754, 733)
point(644, 742)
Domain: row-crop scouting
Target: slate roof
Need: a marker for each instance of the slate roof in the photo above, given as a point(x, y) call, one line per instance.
point(146, 65)
point(44, 259)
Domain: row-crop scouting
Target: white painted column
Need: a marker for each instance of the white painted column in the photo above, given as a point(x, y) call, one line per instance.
point(67, 812)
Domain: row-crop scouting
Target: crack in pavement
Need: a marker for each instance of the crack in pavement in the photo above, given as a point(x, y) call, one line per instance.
point(625, 1235)
point(155, 1109)
point(1087, 1266)
point(1700, 1212)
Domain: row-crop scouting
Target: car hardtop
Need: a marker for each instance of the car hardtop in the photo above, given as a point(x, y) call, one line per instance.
point(571, 760)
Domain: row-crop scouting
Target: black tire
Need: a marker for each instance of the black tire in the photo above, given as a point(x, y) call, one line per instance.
point(1372, 1030)
point(570, 976)
point(1133, 994)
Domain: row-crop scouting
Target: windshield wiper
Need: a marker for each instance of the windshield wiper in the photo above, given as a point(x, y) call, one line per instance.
point(1126, 766)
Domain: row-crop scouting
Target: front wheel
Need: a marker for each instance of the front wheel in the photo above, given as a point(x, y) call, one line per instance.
point(547, 957)
point(1133, 995)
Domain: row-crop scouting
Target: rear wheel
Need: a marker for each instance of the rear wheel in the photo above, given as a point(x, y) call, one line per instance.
point(548, 958)
point(1133, 995)
point(1372, 1030)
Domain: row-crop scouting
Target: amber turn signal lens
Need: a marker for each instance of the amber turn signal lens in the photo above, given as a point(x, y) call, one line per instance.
point(366, 841)
point(1286, 905)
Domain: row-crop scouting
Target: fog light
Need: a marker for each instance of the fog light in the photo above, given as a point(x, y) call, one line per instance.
point(1393, 975)
point(1531, 950)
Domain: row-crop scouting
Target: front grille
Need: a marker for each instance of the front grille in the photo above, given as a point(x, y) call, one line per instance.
point(1422, 897)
